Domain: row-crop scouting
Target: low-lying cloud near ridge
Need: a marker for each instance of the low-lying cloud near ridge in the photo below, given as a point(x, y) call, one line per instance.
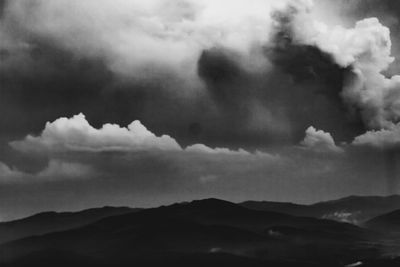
point(55, 170)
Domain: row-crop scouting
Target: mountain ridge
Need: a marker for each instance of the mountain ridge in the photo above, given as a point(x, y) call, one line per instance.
point(352, 209)
point(202, 227)
point(46, 222)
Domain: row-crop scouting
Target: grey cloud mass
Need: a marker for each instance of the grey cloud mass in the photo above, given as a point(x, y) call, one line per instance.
point(55, 170)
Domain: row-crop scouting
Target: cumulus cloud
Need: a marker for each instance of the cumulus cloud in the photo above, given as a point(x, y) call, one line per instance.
point(320, 141)
point(382, 139)
point(55, 170)
point(76, 134)
point(366, 49)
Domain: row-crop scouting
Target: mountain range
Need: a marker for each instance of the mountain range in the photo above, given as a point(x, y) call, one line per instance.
point(48, 222)
point(209, 232)
point(353, 209)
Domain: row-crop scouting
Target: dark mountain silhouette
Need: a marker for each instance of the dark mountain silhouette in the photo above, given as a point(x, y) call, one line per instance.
point(208, 232)
point(353, 209)
point(389, 222)
point(48, 222)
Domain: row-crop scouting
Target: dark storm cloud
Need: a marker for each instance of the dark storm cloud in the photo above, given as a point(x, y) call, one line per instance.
point(236, 92)
point(45, 83)
point(303, 88)
point(361, 55)
point(314, 94)
point(2, 6)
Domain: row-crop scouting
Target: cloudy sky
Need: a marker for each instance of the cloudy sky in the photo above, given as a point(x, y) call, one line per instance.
point(142, 103)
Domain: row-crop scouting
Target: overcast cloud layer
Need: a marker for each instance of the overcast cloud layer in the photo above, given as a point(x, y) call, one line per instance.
point(153, 101)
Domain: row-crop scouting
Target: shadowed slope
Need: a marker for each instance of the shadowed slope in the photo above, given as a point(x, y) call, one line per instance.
point(48, 222)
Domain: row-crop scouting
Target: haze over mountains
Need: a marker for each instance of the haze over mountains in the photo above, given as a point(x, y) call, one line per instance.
point(209, 232)
point(353, 209)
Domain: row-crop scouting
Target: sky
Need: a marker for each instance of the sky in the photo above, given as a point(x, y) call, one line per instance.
point(145, 103)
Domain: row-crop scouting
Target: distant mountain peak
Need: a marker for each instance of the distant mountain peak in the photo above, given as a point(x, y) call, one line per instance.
point(211, 201)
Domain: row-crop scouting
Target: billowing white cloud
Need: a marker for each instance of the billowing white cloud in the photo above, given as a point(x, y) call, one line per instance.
point(382, 139)
point(76, 134)
point(366, 48)
point(320, 141)
point(135, 36)
point(367, 45)
point(55, 170)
